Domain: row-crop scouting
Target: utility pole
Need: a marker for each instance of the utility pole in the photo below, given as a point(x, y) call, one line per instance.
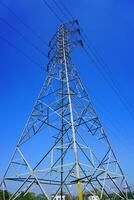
point(77, 156)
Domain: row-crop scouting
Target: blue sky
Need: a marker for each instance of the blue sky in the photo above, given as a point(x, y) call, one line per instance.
point(109, 25)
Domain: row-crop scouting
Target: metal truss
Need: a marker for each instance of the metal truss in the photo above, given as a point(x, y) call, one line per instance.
point(76, 156)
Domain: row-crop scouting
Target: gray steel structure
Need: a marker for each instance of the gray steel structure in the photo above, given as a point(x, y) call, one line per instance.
point(81, 158)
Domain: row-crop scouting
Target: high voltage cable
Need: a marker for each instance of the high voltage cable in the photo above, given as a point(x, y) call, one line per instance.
point(63, 13)
point(26, 25)
point(122, 140)
point(114, 88)
point(125, 103)
point(102, 73)
point(52, 10)
point(22, 52)
point(95, 159)
point(19, 33)
point(107, 71)
point(120, 98)
point(100, 61)
point(98, 56)
point(66, 10)
point(57, 5)
point(109, 83)
point(117, 128)
point(117, 122)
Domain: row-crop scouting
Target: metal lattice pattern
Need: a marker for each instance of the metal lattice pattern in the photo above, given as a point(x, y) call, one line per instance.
point(80, 158)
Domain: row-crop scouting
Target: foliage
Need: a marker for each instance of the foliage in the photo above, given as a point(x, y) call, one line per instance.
point(41, 197)
point(33, 196)
point(5, 193)
point(28, 196)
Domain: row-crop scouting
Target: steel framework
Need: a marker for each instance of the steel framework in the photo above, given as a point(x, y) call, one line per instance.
point(75, 155)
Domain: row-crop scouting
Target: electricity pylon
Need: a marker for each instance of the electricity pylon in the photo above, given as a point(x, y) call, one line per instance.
point(63, 148)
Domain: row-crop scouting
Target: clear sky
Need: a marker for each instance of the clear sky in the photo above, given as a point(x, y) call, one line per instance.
point(109, 25)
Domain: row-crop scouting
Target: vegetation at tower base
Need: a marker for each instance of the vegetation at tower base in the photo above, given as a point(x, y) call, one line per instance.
point(33, 196)
point(28, 196)
point(7, 195)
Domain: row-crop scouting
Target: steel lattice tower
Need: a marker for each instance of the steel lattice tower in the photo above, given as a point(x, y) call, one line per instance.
point(79, 158)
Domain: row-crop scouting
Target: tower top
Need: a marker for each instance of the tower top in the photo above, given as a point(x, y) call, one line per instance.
point(66, 38)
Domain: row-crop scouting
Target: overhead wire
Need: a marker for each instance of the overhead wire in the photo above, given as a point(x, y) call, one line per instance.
point(52, 11)
point(22, 52)
point(117, 125)
point(115, 89)
point(98, 61)
point(110, 79)
point(22, 36)
point(63, 13)
point(70, 14)
point(126, 106)
point(24, 24)
point(67, 10)
point(107, 67)
point(123, 141)
point(36, 63)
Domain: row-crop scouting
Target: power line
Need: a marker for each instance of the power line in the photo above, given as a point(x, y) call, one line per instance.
point(22, 22)
point(27, 40)
point(21, 51)
point(106, 67)
point(107, 70)
point(114, 89)
point(52, 10)
point(110, 84)
point(116, 122)
point(67, 10)
point(124, 141)
point(63, 13)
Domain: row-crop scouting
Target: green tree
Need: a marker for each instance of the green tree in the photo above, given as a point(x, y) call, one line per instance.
point(4, 195)
point(41, 197)
point(28, 196)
